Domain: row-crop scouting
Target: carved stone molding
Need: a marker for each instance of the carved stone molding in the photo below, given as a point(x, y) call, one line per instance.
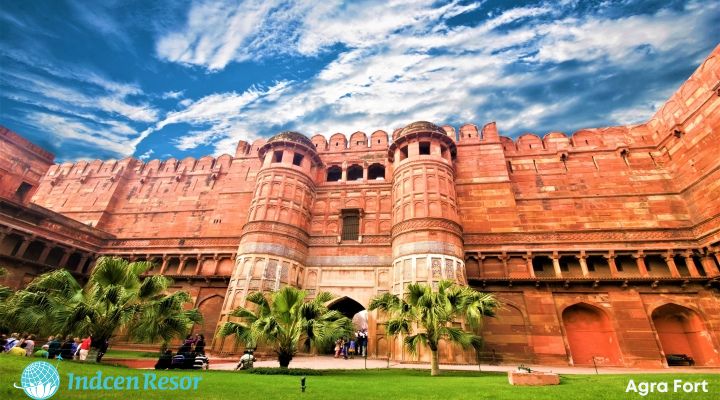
point(417, 224)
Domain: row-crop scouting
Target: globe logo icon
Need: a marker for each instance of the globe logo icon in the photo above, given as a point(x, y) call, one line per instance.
point(40, 380)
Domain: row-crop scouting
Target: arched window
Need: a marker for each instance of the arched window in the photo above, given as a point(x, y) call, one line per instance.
point(376, 171)
point(355, 172)
point(334, 173)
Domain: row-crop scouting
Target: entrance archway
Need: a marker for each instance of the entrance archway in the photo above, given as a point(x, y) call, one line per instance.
point(682, 331)
point(351, 309)
point(590, 336)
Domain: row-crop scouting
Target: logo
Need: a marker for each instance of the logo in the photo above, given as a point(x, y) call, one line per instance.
point(40, 380)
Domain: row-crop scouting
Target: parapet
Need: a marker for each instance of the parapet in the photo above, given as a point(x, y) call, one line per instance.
point(25, 144)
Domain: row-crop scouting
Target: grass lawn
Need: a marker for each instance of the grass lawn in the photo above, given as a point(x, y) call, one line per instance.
point(129, 354)
point(352, 384)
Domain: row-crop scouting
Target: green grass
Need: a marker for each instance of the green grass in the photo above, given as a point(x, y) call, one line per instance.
point(130, 354)
point(357, 385)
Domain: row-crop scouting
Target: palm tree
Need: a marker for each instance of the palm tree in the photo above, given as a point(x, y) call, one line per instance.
point(433, 313)
point(284, 319)
point(115, 298)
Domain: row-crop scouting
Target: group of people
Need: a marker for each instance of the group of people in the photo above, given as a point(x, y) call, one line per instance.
point(352, 346)
point(69, 349)
point(190, 355)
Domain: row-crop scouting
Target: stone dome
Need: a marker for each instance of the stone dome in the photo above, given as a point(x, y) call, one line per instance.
point(419, 126)
point(291, 136)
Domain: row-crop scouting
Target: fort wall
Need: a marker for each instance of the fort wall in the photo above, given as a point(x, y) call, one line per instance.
point(616, 228)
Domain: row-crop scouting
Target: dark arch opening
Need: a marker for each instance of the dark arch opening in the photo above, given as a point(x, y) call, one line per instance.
point(334, 173)
point(376, 171)
point(351, 309)
point(354, 172)
point(347, 306)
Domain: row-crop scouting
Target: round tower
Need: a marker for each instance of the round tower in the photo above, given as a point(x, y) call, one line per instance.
point(427, 240)
point(274, 241)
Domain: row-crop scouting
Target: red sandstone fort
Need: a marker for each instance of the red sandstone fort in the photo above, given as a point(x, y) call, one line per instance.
point(604, 245)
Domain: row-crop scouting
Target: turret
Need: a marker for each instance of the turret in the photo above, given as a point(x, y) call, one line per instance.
point(427, 241)
point(274, 241)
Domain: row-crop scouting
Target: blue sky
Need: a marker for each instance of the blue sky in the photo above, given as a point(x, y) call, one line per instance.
point(154, 79)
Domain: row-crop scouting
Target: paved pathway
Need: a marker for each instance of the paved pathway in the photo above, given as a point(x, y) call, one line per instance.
point(328, 362)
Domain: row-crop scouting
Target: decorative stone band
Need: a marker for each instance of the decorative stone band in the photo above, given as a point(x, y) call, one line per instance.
point(579, 236)
point(174, 242)
point(426, 268)
point(376, 240)
point(271, 249)
point(275, 227)
point(426, 224)
point(439, 247)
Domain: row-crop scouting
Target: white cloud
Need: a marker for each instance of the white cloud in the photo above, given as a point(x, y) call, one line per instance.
point(214, 33)
point(173, 94)
point(146, 155)
point(403, 63)
point(64, 129)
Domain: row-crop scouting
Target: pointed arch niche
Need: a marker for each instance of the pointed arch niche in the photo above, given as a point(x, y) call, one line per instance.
point(590, 336)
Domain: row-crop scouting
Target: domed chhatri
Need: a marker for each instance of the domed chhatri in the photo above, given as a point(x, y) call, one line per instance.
point(419, 126)
point(291, 136)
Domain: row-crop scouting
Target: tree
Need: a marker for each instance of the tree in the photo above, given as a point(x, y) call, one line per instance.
point(115, 298)
point(284, 319)
point(433, 313)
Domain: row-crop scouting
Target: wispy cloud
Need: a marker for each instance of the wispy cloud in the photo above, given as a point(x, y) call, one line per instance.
point(403, 66)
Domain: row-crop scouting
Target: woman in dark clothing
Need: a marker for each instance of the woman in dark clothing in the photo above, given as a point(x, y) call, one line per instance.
point(165, 360)
point(200, 344)
point(102, 346)
point(66, 349)
point(54, 346)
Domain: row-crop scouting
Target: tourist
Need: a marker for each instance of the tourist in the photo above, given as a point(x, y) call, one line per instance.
point(351, 348)
point(246, 361)
point(17, 351)
point(200, 344)
point(338, 347)
point(102, 347)
point(3, 342)
point(76, 348)
point(165, 360)
point(364, 340)
point(84, 348)
point(43, 352)
point(186, 347)
point(11, 342)
point(345, 346)
point(54, 346)
point(29, 345)
point(66, 349)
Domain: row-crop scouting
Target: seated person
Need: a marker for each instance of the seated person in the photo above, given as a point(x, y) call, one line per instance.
point(43, 352)
point(17, 351)
point(246, 361)
point(165, 360)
